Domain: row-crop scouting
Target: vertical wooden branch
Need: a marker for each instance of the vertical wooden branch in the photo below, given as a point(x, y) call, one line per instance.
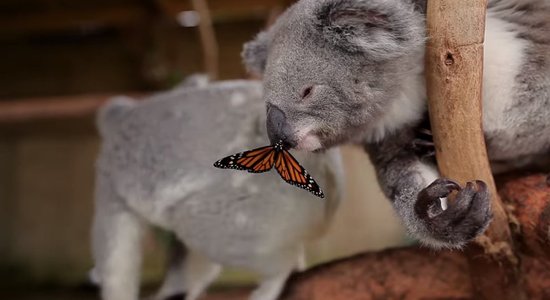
point(208, 39)
point(454, 69)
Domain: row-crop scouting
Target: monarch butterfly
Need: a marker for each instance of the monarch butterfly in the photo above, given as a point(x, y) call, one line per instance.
point(262, 159)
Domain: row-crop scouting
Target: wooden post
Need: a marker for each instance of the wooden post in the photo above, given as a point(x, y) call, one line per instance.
point(454, 71)
point(208, 39)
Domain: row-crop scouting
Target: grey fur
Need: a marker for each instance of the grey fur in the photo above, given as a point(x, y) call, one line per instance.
point(155, 166)
point(363, 62)
point(255, 53)
point(522, 147)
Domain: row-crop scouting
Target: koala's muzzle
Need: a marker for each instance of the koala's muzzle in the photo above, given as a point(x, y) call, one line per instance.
point(278, 128)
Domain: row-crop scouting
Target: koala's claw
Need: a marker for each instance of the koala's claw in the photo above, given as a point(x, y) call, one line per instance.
point(425, 131)
point(423, 148)
point(465, 218)
point(428, 204)
point(423, 144)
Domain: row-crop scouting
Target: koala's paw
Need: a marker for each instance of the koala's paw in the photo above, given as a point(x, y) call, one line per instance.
point(467, 216)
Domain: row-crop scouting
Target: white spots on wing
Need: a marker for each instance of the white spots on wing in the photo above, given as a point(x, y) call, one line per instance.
point(237, 99)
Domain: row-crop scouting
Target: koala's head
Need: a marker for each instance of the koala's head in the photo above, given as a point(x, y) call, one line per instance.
point(332, 67)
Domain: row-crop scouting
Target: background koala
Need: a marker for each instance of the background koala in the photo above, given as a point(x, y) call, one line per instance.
point(351, 71)
point(155, 166)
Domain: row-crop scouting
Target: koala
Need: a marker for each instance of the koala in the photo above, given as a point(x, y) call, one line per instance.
point(352, 71)
point(155, 167)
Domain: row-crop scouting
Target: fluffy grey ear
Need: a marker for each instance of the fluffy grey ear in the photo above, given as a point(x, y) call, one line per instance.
point(255, 53)
point(382, 29)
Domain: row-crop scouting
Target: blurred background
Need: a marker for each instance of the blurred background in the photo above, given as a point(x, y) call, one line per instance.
point(59, 60)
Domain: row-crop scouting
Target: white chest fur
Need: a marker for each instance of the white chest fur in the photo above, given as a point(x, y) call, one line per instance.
point(504, 57)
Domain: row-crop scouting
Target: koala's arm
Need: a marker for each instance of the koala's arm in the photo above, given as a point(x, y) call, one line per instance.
point(419, 195)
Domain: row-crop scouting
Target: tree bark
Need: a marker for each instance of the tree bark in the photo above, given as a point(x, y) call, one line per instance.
point(413, 273)
point(454, 71)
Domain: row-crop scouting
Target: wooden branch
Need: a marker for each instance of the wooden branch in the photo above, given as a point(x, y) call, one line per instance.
point(454, 70)
point(413, 273)
point(208, 39)
point(528, 200)
point(25, 110)
point(407, 273)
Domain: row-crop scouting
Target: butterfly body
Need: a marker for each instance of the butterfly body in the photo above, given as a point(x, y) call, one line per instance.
point(263, 159)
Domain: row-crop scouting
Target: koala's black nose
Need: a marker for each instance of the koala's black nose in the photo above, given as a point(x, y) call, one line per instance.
point(278, 127)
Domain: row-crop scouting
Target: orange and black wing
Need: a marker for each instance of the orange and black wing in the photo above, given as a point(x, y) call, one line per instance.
point(255, 161)
point(292, 172)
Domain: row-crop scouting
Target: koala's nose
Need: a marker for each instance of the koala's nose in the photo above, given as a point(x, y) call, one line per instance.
point(278, 127)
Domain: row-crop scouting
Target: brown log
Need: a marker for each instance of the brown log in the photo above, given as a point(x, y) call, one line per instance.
point(413, 273)
point(528, 200)
point(407, 273)
point(454, 71)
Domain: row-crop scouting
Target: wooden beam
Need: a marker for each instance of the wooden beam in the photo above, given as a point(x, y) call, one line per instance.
point(25, 110)
point(64, 20)
point(454, 69)
point(56, 18)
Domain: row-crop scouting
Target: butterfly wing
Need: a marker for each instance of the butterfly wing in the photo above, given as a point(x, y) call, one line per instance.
point(255, 161)
point(292, 172)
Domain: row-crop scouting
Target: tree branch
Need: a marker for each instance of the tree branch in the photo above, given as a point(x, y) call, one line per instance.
point(454, 71)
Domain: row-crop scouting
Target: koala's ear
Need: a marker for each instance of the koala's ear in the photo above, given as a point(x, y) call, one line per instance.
point(381, 29)
point(255, 52)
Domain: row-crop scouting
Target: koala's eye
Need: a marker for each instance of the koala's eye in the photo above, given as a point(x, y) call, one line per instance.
point(307, 91)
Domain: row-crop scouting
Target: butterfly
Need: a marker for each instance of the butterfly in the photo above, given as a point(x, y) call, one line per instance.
point(263, 159)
